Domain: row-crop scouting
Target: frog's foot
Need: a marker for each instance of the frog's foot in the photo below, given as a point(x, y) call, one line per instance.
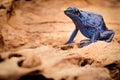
point(85, 40)
point(85, 44)
point(68, 42)
point(110, 38)
point(107, 35)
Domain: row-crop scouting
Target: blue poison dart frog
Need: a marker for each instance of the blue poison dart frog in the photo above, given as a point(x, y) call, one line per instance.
point(90, 24)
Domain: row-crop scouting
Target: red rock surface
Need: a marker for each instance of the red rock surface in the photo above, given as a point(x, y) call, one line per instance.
point(37, 31)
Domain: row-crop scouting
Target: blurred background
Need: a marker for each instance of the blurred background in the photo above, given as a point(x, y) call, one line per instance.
point(41, 27)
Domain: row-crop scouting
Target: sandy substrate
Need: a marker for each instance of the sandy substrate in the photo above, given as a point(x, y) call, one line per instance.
point(33, 33)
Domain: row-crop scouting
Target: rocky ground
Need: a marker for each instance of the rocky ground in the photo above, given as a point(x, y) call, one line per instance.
point(32, 37)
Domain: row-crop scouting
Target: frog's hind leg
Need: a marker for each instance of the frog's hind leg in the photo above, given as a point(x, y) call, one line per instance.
point(93, 39)
point(107, 35)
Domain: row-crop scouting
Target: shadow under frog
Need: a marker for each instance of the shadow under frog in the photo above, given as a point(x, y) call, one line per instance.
point(90, 24)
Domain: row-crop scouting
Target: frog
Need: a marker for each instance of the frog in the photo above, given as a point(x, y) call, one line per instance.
point(90, 24)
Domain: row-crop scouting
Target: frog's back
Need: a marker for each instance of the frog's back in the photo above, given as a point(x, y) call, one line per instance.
point(93, 20)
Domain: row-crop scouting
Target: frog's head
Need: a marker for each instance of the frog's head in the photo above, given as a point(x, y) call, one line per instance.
point(72, 12)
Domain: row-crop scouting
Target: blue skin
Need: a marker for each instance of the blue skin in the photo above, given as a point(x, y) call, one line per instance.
point(90, 24)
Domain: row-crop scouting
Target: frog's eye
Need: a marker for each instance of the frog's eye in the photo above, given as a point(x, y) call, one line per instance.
point(78, 12)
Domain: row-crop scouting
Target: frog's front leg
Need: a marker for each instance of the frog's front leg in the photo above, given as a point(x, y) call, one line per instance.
point(94, 38)
point(72, 36)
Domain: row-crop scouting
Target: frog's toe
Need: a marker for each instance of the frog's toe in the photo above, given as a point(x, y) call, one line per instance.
point(82, 45)
point(85, 44)
point(108, 40)
point(85, 40)
point(68, 42)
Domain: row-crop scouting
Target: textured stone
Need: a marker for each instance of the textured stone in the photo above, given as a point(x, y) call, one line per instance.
point(37, 32)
